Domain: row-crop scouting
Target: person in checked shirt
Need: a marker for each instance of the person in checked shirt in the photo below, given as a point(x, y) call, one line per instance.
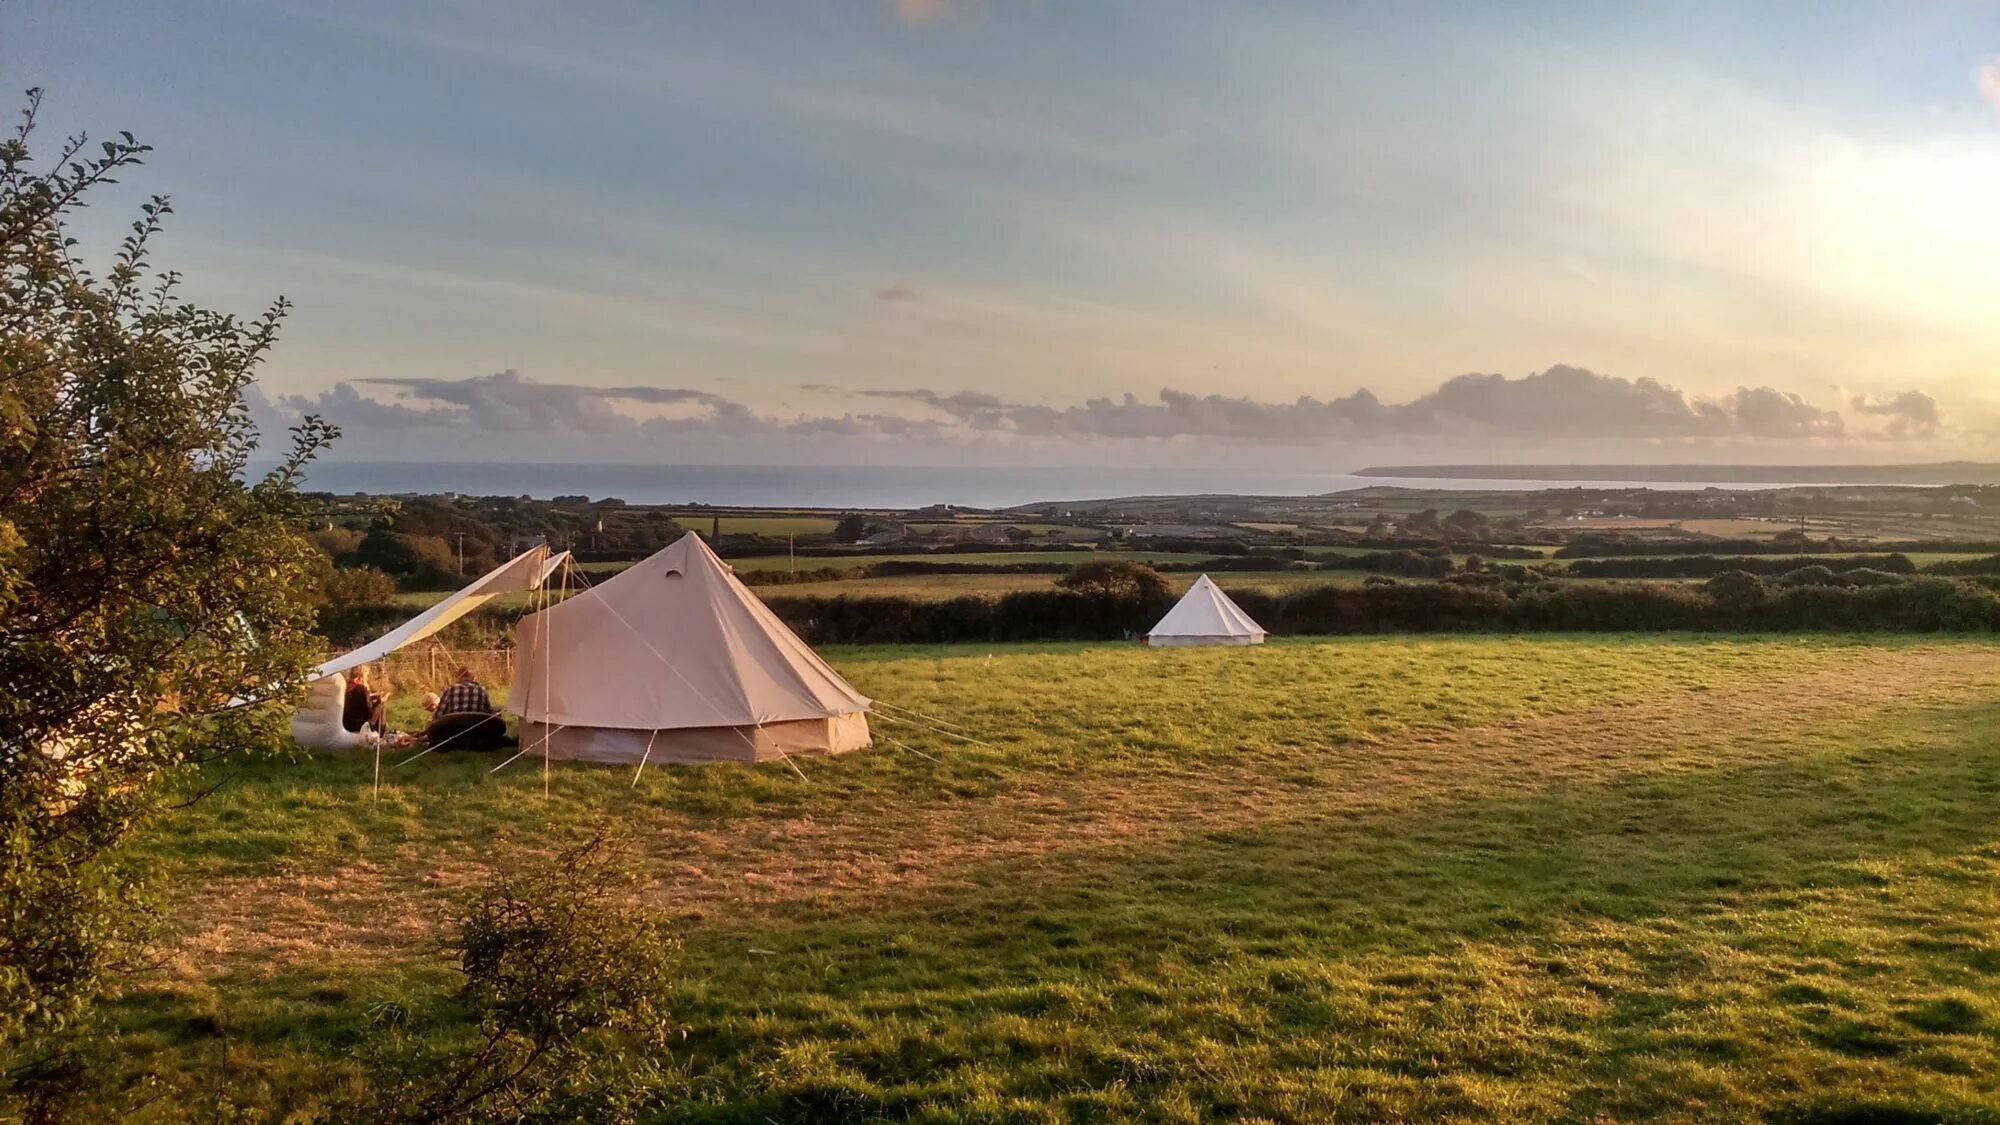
point(464, 696)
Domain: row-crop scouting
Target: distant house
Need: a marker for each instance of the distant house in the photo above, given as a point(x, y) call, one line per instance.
point(882, 539)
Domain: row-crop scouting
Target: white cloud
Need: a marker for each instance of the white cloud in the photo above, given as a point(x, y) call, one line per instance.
point(1911, 414)
point(1549, 408)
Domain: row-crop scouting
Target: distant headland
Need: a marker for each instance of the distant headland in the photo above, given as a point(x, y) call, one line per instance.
point(1934, 473)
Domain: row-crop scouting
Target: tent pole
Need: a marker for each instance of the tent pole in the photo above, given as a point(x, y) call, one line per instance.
point(643, 757)
point(546, 669)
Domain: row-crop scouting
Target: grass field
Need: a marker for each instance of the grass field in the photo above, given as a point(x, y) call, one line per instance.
point(985, 558)
point(776, 526)
point(814, 562)
point(968, 525)
point(1474, 878)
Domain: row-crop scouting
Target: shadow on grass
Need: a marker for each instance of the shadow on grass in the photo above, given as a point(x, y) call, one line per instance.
point(1732, 934)
point(1624, 930)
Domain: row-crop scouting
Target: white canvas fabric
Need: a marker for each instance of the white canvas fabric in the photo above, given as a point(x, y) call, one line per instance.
point(1205, 616)
point(318, 725)
point(526, 571)
point(677, 653)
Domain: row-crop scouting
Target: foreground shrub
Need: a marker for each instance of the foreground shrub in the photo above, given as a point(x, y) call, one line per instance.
point(564, 983)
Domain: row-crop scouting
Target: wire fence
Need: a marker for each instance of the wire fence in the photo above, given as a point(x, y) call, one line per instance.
point(432, 667)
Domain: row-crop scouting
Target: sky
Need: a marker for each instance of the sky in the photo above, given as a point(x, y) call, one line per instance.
point(929, 232)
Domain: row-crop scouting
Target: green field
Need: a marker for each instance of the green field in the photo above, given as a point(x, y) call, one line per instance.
point(970, 525)
point(776, 526)
point(941, 586)
point(982, 558)
point(1475, 878)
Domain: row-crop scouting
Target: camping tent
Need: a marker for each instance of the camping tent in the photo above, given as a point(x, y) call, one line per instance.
point(674, 660)
point(1205, 616)
point(317, 724)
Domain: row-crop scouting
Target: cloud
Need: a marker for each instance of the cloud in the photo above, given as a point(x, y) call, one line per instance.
point(1562, 402)
point(506, 401)
point(1912, 414)
point(1553, 408)
point(918, 12)
point(351, 409)
point(896, 292)
point(1989, 82)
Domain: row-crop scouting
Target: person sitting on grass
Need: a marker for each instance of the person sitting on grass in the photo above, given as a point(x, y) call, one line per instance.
point(363, 707)
point(465, 696)
point(466, 719)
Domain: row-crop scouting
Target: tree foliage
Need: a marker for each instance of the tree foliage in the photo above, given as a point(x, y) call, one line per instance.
point(1117, 580)
point(852, 528)
point(350, 587)
point(143, 583)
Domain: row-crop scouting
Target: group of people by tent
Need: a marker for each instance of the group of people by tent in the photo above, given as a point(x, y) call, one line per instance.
point(671, 660)
point(462, 716)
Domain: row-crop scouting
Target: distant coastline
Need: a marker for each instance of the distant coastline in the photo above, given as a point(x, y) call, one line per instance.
point(1924, 475)
point(887, 487)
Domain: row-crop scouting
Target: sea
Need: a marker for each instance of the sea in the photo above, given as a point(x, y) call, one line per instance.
point(852, 486)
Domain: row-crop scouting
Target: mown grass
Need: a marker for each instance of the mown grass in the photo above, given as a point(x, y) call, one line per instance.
point(1452, 878)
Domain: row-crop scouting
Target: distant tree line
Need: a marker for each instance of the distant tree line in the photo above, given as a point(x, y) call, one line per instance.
point(1786, 543)
point(1708, 566)
point(1870, 600)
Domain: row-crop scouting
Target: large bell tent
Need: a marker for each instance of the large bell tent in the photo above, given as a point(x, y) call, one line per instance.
point(674, 660)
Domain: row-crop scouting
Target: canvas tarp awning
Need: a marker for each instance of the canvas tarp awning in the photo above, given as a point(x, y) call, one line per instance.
point(525, 571)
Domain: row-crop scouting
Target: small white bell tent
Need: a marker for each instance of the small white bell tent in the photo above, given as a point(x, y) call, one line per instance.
point(674, 660)
point(1205, 616)
point(317, 724)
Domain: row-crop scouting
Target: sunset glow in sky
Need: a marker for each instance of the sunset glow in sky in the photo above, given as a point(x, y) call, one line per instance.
point(1052, 233)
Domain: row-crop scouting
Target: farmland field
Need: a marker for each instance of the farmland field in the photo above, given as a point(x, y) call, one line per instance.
point(941, 586)
point(1465, 878)
point(981, 558)
point(776, 525)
